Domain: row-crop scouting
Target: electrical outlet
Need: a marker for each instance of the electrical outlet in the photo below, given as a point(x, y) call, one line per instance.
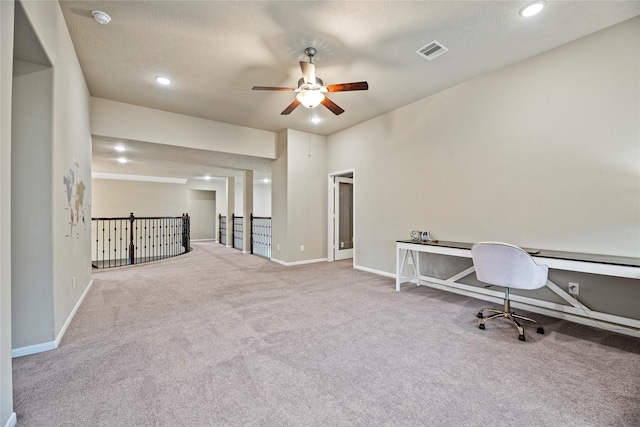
point(277, 247)
point(574, 288)
point(73, 283)
point(301, 248)
point(342, 244)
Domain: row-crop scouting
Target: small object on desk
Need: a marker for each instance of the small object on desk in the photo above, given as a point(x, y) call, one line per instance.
point(422, 237)
point(426, 236)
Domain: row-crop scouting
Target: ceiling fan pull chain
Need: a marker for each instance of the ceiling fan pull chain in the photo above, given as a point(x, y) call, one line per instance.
point(309, 124)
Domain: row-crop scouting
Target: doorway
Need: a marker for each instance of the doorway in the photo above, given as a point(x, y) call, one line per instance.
point(201, 205)
point(341, 216)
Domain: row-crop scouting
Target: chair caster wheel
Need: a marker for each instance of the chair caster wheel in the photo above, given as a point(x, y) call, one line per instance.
point(481, 326)
point(540, 330)
point(521, 337)
point(479, 315)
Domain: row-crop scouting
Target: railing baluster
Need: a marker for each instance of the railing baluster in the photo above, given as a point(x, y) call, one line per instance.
point(103, 243)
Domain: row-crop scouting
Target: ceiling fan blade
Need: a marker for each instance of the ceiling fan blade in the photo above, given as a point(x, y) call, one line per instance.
point(289, 89)
point(308, 72)
point(291, 107)
point(335, 109)
point(345, 87)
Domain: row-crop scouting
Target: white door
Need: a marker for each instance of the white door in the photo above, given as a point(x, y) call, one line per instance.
point(343, 218)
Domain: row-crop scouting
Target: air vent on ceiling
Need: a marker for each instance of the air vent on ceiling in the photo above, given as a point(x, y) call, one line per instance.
point(432, 50)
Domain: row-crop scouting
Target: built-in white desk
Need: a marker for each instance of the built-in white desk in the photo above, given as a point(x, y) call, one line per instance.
point(407, 258)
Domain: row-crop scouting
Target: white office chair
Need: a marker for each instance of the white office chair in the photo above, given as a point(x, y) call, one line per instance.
point(511, 267)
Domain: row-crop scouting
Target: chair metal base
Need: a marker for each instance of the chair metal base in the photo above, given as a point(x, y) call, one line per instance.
point(507, 313)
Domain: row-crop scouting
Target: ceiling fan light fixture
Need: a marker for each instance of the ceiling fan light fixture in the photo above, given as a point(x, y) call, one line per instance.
point(310, 98)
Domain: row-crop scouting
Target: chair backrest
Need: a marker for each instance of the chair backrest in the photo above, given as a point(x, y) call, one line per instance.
point(506, 265)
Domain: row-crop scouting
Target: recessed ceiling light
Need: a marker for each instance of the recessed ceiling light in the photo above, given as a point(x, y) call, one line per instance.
point(316, 120)
point(164, 81)
point(533, 8)
point(101, 17)
point(207, 177)
point(120, 148)
point(266, 180)
point(122, 160)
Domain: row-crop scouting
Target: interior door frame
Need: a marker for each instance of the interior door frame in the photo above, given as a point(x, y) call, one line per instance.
point(351, 173)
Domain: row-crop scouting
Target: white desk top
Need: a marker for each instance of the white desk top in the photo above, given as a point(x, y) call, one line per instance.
point(544, 253)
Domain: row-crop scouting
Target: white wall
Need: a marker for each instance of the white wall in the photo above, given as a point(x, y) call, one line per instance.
point(279, 191)
point(31, 153)
point(261, 196)
point(68, 147)
point(307, 190)
point(120, 120)
point(6, 80)
point(117, 198)
point(262, 199)
point(71, 150)
point(544, 153)
point(299, 198)
point(201, 206)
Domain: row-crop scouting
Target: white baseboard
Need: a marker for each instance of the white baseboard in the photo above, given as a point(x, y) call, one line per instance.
point(378, 272)
point(585, 320)
point(72, 314)
point(308, 261)
point(33, 349)
point(12, 421)
point(204, 240)
point(51, 345)
point(535, 309)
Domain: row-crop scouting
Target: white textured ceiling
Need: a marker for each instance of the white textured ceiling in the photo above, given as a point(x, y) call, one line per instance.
point(215, 51)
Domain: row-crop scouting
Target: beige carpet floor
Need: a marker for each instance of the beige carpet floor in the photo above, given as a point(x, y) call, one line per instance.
point(220, 338)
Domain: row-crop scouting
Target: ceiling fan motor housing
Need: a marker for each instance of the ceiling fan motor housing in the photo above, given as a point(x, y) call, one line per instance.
point(319, 83)
point(310, 52)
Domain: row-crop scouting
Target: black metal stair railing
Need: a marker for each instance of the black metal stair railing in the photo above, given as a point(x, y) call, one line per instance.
point(222, 229)
point(133, 240)
point(261, 236)
point(238, 225)
point(232, 231)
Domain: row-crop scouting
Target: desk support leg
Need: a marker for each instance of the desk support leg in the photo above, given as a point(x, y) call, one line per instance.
point(400, 263)
point(416, 265)
point(399, 267)
point(568, 298)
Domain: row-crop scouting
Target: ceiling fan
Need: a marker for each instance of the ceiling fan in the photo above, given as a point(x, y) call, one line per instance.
point(311, 90)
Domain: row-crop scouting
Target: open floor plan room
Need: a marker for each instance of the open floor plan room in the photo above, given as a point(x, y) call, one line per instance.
point(216, 337)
